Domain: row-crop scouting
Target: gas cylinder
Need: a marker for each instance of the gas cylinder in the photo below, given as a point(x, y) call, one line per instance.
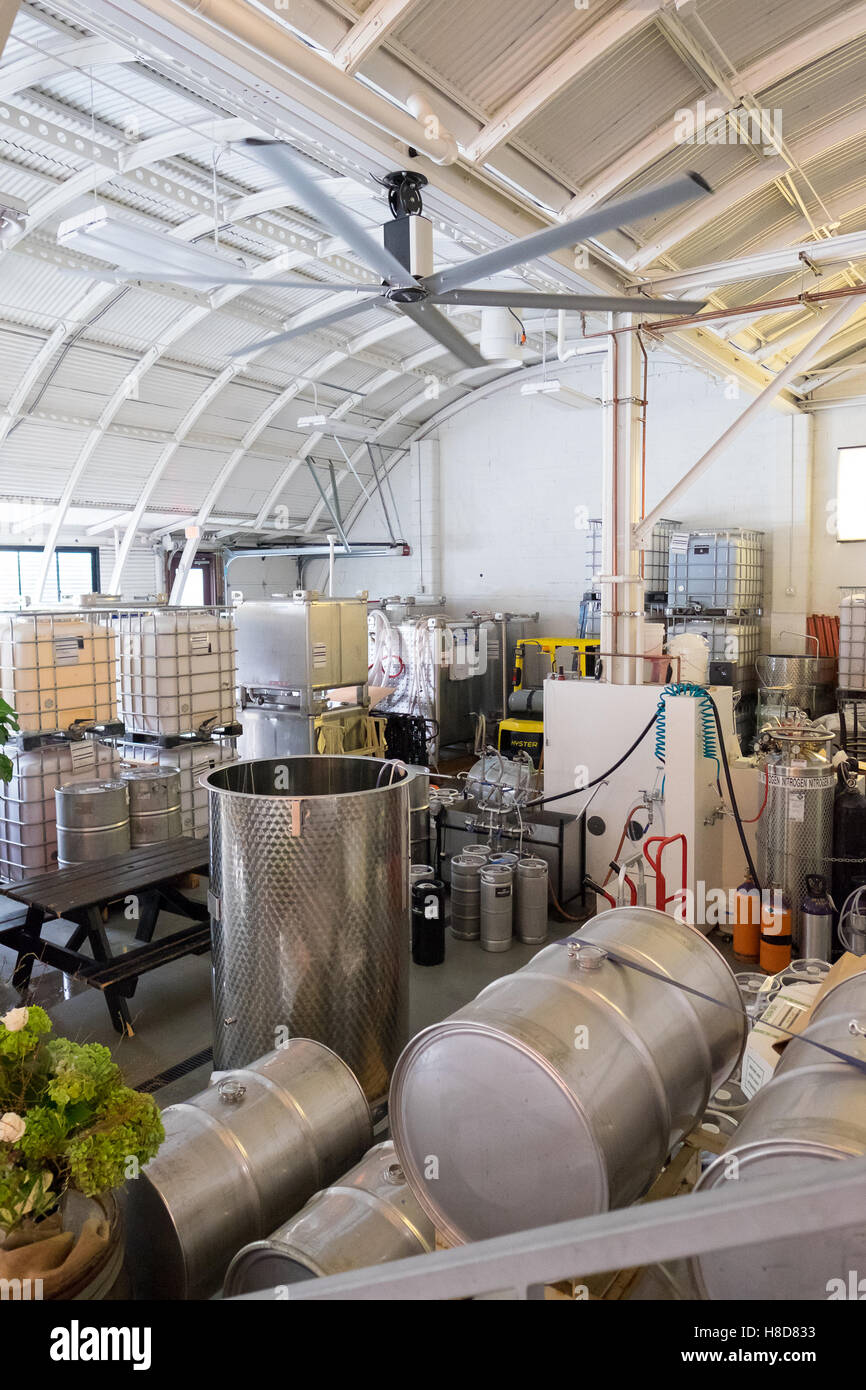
point(747, 920)
point(849, 844)
point(816, 920)
point(775, 950)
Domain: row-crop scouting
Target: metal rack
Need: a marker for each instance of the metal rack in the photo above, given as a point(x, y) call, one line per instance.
point(656, 560)
point(176, 669)
point(719, 570)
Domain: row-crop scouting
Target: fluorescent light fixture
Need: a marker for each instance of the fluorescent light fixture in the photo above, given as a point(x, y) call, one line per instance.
point(136, 249)
point(851, 494)
point(541, 388)
point(13, 214)
point(311, 422)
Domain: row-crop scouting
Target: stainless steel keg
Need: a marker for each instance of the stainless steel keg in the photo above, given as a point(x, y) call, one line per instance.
point(92, 821)
point(154, 804)
point(466, 897)
point(561, 1090)
point(811, 1113)
point(370, 1216)
point(497, 907)
point(238, 1159)
point(530, 916)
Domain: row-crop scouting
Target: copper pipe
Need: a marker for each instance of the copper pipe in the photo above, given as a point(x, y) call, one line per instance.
point(767, 305)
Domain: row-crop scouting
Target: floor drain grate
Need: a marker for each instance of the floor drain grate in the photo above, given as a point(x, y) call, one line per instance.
point(176, 1072)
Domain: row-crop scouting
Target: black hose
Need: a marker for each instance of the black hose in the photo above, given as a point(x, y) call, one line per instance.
point(560, 796)
point(734, 807)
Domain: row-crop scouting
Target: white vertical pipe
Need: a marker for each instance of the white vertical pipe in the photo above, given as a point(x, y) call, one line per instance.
point(427, 531)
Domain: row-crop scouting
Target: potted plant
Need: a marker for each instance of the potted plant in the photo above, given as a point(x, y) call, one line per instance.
point(8, 725)
point(70, 1133)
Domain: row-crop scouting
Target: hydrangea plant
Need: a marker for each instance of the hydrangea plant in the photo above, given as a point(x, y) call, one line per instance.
point(8, 725)
point(66, 1119)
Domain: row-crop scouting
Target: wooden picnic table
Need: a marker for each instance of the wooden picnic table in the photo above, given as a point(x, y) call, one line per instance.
point(78, 895)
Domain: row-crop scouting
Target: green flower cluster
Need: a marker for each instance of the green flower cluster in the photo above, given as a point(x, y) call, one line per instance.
point(66, 1119)
point(16, 1045)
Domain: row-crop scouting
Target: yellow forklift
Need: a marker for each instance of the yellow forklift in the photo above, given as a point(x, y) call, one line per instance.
point(536, 658)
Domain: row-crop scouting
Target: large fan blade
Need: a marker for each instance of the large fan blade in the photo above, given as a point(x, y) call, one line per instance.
point(170, 277)
point(591, 303)
point(444, 332)
point(328, 210)
point(309, 325)
point(603, 219)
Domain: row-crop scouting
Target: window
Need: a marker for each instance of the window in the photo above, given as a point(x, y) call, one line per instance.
point(851, 495)
point(73, 571)
point(193, 589)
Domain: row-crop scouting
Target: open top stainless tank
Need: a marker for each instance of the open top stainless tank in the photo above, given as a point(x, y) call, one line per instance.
point(309, 882)
point(560, 1091)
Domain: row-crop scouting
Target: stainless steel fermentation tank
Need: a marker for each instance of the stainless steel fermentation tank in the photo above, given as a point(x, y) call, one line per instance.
point(812, 1112)
point(561, 1090)
point(309, 900)
point(370, 1216)
point(239, 1158)
point(448, 692)
point(291, 652)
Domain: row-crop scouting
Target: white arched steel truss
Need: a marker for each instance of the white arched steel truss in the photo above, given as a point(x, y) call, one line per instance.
point(108, 157)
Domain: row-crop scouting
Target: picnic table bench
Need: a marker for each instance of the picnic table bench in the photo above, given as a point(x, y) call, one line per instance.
point(78, 895)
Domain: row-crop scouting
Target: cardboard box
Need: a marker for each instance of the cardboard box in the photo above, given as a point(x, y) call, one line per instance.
point(766, 1042)
point(790, 1010)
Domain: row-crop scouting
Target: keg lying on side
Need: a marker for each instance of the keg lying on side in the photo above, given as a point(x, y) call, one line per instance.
point(370, 1216)
point(560, 1091)
point(238, 1159)
point(812, 1112)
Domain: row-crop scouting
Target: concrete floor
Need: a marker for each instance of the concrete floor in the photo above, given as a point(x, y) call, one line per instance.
point(171, 1008)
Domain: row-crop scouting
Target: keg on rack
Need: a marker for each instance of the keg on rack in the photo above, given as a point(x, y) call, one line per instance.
point(466, 896)
point(497, 907)
point(92, 822)
point(810, 1114)
point(154, 805)
point(368, 1217)
point(530, 917)
point(560, 1091)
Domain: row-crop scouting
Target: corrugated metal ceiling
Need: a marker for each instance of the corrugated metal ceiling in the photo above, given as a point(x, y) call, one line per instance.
point(481, 55)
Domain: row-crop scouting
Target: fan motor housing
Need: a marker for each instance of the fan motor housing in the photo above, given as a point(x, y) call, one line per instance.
point(410, 239)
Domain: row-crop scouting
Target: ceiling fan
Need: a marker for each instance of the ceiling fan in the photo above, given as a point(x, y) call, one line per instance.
point(403, 258)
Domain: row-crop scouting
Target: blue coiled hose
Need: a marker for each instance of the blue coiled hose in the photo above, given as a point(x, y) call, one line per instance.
point(708, 721)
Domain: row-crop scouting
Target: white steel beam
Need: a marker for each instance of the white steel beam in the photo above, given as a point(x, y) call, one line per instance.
point(137, 157)
point(805, 49)
point(832, 251)
point(833, 323)
point(371, 30)
point(839, 132)
point(58, 56)
point(604, 35)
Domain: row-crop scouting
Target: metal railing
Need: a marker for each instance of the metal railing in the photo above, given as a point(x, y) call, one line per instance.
point(519, 1266)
